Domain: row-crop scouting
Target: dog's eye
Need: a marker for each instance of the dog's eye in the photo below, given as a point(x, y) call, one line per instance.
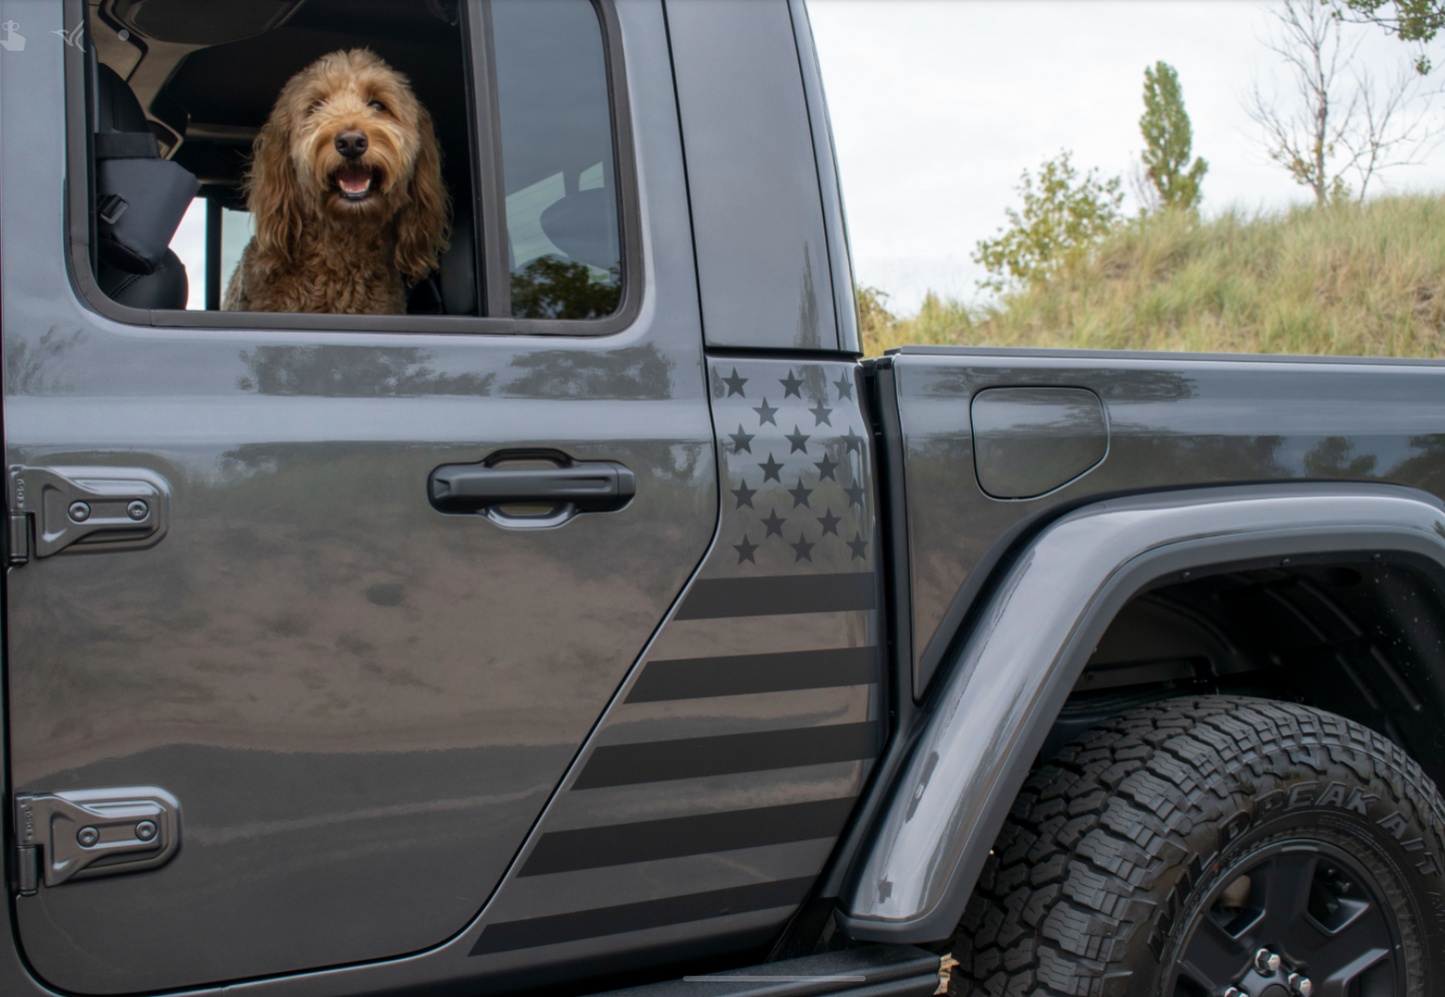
point(377, 105)
point(311, 108)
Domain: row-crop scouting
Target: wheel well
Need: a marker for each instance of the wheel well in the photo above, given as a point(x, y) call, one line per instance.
point(1362, 636)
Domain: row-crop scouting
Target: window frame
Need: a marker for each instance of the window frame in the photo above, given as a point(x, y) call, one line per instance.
point(488, 196)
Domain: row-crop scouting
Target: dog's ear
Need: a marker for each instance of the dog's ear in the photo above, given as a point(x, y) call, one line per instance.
point(424, 223)
point(273, 193)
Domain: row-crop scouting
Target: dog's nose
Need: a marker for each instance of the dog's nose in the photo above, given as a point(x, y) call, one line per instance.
point(351, 144)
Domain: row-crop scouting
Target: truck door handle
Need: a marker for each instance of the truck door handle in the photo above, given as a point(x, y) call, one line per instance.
point(590, 486)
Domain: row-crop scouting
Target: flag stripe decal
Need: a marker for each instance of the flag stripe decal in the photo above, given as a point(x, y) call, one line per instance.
point(699, 678)
point(780, 595)
point(692, 758)
point(555, 928)
point(620, 844)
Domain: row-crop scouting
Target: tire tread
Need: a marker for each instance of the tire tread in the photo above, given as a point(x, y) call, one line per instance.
point(1064, 894)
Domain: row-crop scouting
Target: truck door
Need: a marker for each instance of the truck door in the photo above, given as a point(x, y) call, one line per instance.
point(700, 816)
point(307, 615)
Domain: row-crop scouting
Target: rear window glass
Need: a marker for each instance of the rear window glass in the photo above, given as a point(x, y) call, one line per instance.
point(190, 199)
point(557, 160)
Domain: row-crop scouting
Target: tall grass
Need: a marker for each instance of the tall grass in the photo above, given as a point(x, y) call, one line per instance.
point(1356, 280)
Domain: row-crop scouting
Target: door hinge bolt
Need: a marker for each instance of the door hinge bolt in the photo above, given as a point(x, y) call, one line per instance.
point(145, 830)
point(137, 510)
point(79, 511)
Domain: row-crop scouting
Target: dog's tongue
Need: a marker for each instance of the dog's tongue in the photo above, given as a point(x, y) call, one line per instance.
point(353, 179)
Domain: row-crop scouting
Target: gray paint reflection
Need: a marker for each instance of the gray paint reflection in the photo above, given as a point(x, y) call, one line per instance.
point(30, 366)
point(637, 372)
point(348, 372)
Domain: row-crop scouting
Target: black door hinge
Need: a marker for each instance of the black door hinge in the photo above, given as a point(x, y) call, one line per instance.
point(53, 508)
point(17, 540)
point(78, 834)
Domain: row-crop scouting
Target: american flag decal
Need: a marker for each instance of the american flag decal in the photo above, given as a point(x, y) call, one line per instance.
point(719, 780)
point(796, 467)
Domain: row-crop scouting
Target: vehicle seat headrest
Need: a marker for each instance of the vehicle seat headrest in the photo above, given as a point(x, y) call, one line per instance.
point(116, 106)
point(121, 128)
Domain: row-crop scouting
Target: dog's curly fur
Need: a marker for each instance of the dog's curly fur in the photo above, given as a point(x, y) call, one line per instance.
point(315, 250)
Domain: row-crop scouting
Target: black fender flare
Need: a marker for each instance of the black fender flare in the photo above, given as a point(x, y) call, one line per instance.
point(1011, 675)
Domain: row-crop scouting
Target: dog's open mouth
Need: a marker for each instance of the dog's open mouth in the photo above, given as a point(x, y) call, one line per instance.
point(355, 182)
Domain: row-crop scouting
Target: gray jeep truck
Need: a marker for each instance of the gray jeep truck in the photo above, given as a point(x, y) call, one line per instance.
point(605, 622)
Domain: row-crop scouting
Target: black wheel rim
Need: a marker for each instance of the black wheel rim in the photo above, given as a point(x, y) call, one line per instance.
point(1308, 902)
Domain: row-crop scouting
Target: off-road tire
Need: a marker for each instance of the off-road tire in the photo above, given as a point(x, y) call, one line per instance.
point(1114, 845)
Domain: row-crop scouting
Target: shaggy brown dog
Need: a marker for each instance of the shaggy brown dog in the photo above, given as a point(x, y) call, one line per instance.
point(346, 192)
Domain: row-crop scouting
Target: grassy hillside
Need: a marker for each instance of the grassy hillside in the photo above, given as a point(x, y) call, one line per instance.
point(1350, 280)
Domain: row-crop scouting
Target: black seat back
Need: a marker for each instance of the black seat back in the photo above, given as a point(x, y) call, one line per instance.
point(458, 271)
point(452, 289)
point(166, 287)
point(140, 198)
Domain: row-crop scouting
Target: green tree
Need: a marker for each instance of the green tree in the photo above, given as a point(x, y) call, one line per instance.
point(1168, 141)
point(1063, 218)
point(874, 318)
point(1416, 21)
point(551, 287)
point(1334, 118)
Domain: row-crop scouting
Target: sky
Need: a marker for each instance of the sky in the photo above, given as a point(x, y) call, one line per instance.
point(937, 106)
